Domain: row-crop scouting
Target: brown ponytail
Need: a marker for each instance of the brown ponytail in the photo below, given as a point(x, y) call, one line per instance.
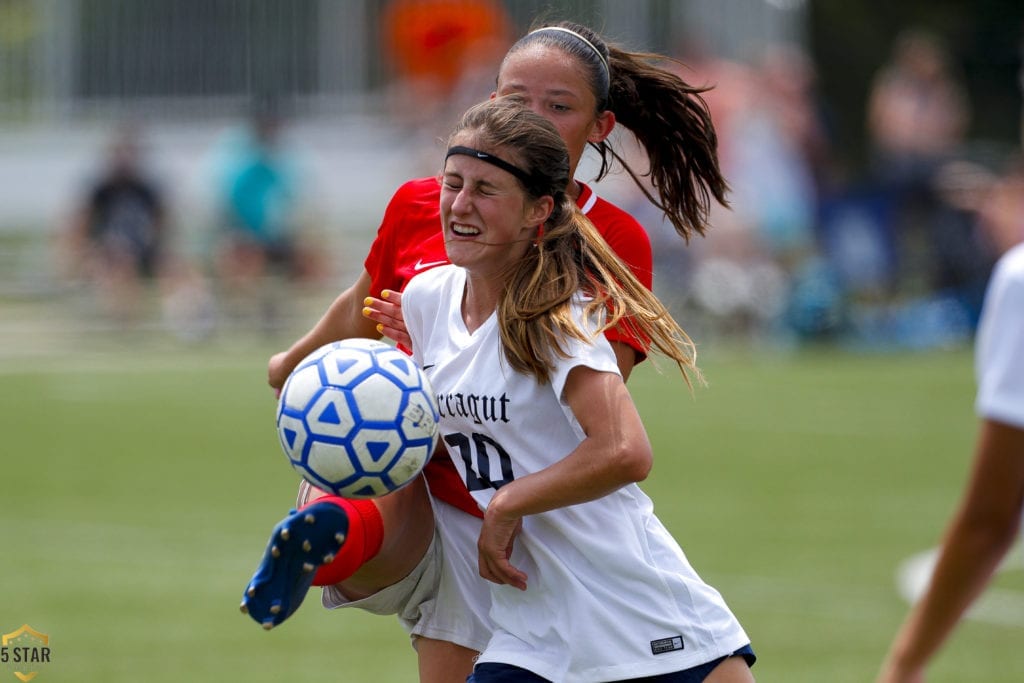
point(668, 117)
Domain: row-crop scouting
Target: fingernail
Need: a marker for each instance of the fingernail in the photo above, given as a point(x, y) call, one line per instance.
point(366, 311)
point(367, 301)
point(385, 294)
point(380, 328)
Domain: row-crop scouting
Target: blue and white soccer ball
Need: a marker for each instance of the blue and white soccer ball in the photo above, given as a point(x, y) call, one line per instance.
point(357, 418)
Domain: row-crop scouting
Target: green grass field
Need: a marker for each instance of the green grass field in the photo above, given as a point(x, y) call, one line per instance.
point(138, 490)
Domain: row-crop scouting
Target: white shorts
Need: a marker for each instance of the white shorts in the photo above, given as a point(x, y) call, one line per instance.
point(444, 597)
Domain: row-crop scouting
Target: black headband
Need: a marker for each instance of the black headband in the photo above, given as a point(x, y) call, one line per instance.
point(494, 161)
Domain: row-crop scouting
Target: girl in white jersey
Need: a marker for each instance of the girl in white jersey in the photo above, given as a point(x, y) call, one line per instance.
point(391, 561)
point(987, 522)
point(587, 583)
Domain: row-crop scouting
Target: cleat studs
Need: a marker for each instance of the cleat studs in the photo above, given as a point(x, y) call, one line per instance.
point(275, 609)
point(339, 537)
point(328, 558)
point(242, 608)
point(307, 546)
point(268, 624)
point(285, 534)
point(307, 567)
point(275, 552)
point(251, 591)
point(309, 518)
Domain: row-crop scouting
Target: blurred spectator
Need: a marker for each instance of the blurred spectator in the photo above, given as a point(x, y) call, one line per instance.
point(918, 109)
point(777, 147)
point(117, 239)
point(917, 117)
point(1000, 208)
point(259, 185)
point(759, 272)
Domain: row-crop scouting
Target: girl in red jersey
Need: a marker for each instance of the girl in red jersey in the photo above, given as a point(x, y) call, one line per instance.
point(400, 554)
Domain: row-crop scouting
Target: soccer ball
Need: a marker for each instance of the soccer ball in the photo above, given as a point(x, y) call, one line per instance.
point(357, 418)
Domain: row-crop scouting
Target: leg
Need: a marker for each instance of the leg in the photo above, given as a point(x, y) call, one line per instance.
point(443, 662)
point(329, 541)
point(408, 521)
point(732, 670)
point(304, 540)
point(492, 672)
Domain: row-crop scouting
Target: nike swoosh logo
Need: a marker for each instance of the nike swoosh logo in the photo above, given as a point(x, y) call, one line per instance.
point(427, 367)
point(420, 265)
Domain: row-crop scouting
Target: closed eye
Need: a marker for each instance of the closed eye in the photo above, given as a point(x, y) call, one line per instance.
point(482, 189)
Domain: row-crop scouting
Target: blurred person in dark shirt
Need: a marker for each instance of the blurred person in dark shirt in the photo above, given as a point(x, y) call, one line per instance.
point(118, 235)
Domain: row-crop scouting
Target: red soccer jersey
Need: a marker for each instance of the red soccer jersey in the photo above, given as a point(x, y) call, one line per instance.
point(410, 241)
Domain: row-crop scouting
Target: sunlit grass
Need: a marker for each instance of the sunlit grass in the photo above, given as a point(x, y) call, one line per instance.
point(139, 488)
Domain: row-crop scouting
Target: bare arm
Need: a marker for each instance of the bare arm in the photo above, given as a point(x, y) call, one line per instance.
point(343, 320)
point(625, 358)
point(981, 533)
point(614, 453)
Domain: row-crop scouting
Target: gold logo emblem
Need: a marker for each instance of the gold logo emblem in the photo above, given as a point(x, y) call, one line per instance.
point(24, 650)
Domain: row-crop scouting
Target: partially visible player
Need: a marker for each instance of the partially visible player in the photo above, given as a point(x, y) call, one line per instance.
point(587, 585)
point(390, 561)
point(987, 523)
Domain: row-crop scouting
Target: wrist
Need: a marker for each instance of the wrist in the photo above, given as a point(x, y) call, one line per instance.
point(501, 508)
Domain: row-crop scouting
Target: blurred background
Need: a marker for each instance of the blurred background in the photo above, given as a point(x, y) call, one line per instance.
point(185, 185)
point(176, 166)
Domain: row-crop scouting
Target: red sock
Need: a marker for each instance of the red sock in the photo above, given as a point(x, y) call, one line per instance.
point(362, 542)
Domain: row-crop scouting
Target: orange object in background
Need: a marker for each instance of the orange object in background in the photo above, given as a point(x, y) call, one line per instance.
point(436, 40)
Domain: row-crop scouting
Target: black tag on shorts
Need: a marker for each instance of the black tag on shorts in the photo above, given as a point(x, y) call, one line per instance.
point(660, 647)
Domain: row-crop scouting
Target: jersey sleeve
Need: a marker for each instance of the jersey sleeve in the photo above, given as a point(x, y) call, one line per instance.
point(409, 237)
point(632, 245)
point(382, 260)
point(596, 354)
point(630, 242)
point(1000, 344)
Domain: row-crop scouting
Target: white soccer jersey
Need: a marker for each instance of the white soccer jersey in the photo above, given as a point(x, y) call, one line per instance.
point(999, 347)
point(610, 593)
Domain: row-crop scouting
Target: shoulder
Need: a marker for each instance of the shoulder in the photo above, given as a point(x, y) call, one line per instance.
point(614, 223)
point(415, 203)
point(1006, 284)
point(605, 215)
point(431, 280)
point(425, 296)
point(999, 345)
point(621, 231)
point(418, 190)
point(595, 353)
point(1011, 265)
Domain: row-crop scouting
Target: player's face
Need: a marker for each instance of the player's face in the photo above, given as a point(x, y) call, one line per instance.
point(553, 84)
point(487, 217)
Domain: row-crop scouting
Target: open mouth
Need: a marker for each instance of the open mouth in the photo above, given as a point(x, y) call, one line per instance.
point(464, 230)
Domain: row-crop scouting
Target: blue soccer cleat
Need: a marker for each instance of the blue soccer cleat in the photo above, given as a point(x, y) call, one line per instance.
point(303, 541)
